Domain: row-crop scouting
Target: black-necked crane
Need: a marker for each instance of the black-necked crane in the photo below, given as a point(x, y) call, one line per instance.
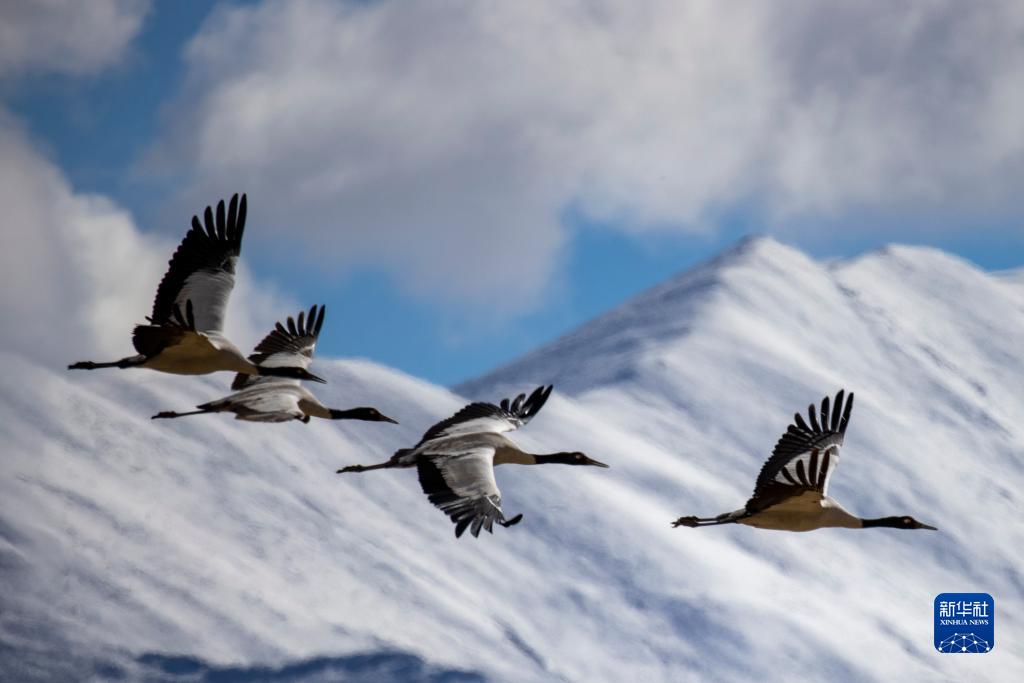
point(278, 399)
point(791, 493)
point(456, 458)
point(185, 332)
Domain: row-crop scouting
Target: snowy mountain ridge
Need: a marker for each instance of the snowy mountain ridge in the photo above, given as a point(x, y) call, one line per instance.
point(208, 547)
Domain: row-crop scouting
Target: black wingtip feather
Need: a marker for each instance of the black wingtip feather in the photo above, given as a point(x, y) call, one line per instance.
point(320, 320)
point(846, 414)
point(222, 232)
point(837, 414)
point(211, 229)
point(478, 523)
point(240, 226)
point(232, 217)
point(536, 401)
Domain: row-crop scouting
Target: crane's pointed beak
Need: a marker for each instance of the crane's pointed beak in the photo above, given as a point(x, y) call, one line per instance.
point(385, 418)
point(316, 378)
point(596, 463)
point(925, 526)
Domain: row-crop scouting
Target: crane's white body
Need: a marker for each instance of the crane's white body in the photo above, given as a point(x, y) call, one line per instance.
point(806, 512)
point(279, 400)
point(200, 353)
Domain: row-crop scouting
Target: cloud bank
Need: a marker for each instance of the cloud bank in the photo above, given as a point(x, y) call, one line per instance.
point(66, 36)
point(444, 141)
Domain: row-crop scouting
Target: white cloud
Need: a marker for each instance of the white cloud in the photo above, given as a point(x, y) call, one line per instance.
point(79, 274)
point(444, 140)
point(66, 36)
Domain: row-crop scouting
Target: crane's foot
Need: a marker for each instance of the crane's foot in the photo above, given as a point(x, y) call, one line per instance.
point(690, 521)
point(512, 522)
point(129, 362)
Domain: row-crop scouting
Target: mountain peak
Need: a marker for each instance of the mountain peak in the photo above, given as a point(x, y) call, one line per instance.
point(751, 249)
point(755, 243)
point(603, 350)
point(757, 290)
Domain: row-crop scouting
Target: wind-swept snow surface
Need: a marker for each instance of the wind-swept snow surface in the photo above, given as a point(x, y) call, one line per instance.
point(205, 547)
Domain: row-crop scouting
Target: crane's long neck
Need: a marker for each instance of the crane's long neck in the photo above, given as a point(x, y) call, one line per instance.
point(562, 458)
point(881, 521)
point(351, 414)
point(271, 371)
point(509, 455)
point(368, 414)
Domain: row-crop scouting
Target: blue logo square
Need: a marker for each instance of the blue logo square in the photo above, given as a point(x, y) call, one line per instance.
point(964, 623)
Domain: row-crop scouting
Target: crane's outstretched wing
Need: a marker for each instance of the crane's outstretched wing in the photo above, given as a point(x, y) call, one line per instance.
point(805, 456)
point(286, 347)
point(202, 269)
point(462, 485)
point(487, 417)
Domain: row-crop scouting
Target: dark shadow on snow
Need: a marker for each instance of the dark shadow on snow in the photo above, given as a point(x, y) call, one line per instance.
point(357, 668)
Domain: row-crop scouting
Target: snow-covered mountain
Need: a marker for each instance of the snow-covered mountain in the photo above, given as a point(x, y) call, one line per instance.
point(210, 549)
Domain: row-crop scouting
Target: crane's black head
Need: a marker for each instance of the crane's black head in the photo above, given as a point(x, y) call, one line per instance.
point(574, 458)
point(368, 414)
point(902, 522)
point(293, 373)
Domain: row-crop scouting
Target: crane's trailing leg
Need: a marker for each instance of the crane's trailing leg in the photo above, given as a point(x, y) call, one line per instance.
point(129, 362)
point(694, 521)
point(171, 413)
point(364, 468)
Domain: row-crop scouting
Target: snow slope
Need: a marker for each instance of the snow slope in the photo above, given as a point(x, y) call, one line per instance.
point(209, 549)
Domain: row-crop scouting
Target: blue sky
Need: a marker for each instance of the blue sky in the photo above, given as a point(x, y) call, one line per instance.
point(594, 232)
